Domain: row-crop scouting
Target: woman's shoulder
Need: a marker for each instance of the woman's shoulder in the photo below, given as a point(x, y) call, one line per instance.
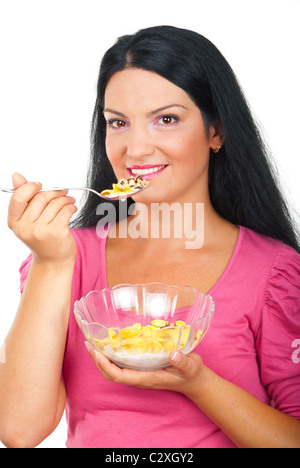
point(270, 258)
point(82, 234)
point(277, 320)
point(265, 248)
point(89, 237)
point(91, 256)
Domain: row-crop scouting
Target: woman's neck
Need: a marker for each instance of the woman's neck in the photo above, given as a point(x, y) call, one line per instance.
point(170, 227)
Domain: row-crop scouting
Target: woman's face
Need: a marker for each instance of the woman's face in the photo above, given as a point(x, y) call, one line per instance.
point(155, 129)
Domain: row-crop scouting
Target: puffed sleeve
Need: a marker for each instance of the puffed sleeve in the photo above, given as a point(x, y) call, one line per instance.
point(279, 333)
point(24, 270)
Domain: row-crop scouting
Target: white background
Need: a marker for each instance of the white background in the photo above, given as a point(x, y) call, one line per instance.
point(50, 54)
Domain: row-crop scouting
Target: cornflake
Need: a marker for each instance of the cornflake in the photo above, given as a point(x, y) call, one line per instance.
point(155, 338)
point(126, 186)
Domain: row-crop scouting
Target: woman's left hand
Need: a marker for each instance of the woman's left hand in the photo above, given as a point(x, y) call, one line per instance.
point(184, 374)
point(246, 420)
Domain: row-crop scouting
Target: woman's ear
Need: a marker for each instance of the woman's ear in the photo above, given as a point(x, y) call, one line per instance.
point(216, 135)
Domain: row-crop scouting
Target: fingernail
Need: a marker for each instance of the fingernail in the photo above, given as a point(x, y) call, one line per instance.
point(89, 347)
point(177, 357)
point(98, 356)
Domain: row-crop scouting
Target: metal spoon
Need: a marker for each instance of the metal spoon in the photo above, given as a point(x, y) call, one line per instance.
point(117, 196)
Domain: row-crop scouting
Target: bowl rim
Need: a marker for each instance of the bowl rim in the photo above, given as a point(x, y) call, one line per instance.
point(208, 315)
point(147, 284)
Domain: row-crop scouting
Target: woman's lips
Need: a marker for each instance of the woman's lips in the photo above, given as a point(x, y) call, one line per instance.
point(147, 171)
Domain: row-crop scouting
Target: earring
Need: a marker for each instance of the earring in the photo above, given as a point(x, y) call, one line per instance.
point(217, 149)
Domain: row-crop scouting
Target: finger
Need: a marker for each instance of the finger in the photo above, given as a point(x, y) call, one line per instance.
point(62, 219)
point(109, 370)
point(20, 200)
point(38, 204)
point(51, 210)
point(18, 180)
point(99, 359)
point(187, 365)
point(112, 372)
point(157, 379)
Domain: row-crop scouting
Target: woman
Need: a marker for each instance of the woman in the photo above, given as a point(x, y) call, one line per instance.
point(169, 107)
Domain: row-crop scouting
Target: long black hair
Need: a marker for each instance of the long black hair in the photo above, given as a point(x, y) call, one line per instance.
point(242, 180)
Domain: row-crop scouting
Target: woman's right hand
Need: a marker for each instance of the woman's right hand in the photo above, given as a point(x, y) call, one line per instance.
point(41, 221)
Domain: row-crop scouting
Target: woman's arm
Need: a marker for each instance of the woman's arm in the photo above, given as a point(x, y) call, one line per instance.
point(32, 396)
point(247, 421)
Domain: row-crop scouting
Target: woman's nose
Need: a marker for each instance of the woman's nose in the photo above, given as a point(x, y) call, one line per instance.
point(139, 142)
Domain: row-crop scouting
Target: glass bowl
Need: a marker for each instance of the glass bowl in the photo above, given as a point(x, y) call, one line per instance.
point(138, 326)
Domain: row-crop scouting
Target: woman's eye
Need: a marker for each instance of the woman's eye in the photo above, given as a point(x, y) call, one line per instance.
point(168, 119)
point(116, 123)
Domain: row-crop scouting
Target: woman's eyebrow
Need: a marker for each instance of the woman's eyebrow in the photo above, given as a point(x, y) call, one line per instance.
point(150, 114)
point(112, 111)
point(161, 109)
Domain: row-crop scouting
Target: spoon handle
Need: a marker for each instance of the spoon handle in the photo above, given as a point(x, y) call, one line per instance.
point(6, 190)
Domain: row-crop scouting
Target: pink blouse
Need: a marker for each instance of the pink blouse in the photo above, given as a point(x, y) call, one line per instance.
point(253, 342)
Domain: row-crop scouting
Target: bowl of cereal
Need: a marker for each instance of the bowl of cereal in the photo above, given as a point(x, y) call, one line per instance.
point(138, 326)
